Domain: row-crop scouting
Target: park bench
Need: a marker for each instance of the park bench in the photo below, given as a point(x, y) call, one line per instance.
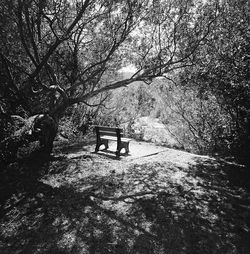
point(106, 134)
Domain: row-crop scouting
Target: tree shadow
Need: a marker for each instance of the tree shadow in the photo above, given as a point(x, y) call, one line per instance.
point(21, 177)
point(74, 147)
point(145, 210)
point(230, 185)
point(112, 154)
point(64, 221)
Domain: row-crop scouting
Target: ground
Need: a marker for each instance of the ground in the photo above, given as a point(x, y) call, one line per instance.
point(156, 200)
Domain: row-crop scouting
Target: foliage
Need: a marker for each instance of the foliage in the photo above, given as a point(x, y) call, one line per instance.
point(199, 124)
point(59, 53)
point(67, 129)
point(65, 58)
point(221, 68)
point(70, 52)
point(131, 103)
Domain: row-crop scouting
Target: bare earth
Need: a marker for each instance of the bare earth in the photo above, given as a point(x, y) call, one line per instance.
point(156, 200)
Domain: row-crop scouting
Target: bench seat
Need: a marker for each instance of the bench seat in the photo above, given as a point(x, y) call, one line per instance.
point(114, 138)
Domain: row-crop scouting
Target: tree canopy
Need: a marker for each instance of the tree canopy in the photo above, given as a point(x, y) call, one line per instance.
point(57, 53)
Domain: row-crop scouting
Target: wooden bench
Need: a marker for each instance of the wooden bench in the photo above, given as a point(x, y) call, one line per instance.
point(104, 134)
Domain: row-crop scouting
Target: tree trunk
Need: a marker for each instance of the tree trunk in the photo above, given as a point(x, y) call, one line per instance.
point(42, 128)
point(45, 130)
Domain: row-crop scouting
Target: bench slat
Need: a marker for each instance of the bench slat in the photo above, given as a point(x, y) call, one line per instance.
point(110, 129)
point(109, 138)
point(115, 138)
point(125, 139)
point(107, 133)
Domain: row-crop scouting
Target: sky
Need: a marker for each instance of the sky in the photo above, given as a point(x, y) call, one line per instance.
point(128, 68)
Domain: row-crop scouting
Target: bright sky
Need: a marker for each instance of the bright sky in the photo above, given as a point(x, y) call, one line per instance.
point(129, 68)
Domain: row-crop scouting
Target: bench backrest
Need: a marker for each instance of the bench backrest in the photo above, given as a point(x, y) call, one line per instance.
point(109, 131)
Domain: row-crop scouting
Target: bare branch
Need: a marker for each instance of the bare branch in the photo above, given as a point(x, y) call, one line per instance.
point(57, 42)
point(21, 32)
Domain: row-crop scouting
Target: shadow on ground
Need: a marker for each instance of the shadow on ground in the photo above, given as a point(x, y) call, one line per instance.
point(86, 204)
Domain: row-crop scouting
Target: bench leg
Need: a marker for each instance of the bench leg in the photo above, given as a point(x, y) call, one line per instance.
point(127, 148)
point(118, 150)
point(125, 145)
point(97, 147)
point(117, 153)
point(106, 143)
point(102, 142)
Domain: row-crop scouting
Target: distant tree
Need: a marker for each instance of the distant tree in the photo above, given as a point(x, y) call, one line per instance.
point(59, 53)
point(198, 123)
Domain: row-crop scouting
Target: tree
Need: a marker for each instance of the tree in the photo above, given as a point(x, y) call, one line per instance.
point(222, 67)
point(59, 53)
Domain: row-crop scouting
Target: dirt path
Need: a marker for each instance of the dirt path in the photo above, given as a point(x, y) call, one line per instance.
point(157, 200)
